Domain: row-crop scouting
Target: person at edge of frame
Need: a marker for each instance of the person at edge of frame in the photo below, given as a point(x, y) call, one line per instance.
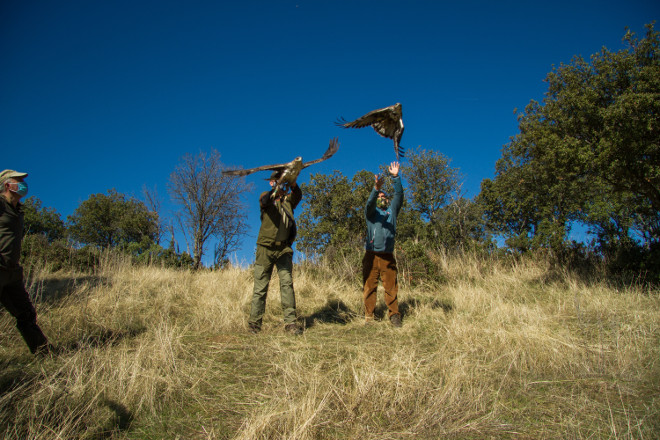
point(13, 294)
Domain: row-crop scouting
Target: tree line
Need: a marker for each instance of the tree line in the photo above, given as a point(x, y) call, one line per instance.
point(209, 207)
point(587, 156)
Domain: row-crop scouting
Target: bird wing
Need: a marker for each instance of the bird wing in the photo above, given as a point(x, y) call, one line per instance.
point(241, 172)
point(385, 121)
point(363, 121)
point(332, 149)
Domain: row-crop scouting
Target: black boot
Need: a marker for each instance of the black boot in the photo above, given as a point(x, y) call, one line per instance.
point(33, 336)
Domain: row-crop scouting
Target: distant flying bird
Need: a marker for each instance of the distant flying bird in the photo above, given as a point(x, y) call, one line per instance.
point(287, 173)
point(388, 122)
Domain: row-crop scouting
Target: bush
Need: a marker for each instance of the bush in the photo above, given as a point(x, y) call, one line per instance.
point(37, 252)
point(632, 262)
point(146, 252)
point(415, 266)
point(59, 255)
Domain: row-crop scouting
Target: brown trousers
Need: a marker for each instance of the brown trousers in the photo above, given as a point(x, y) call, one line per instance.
point(383, 266)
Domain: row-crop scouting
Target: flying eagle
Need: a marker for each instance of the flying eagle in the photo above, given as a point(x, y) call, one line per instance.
point(287, 173)
point(388, 122)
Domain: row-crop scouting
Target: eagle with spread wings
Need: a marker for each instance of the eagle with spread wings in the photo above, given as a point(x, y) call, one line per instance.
point(287, 173)
point(387, 122)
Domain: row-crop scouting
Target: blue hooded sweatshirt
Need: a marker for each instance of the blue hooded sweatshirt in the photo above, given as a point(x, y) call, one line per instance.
point(381, 223)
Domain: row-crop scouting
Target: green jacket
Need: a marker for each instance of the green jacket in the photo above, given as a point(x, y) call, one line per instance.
point(271, 217)
point(11, 234)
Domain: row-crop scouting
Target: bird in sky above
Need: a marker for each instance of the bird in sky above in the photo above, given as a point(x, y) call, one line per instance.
point(387, 122)
point(287, 173)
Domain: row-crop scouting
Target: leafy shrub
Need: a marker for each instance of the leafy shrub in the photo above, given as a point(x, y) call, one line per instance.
point(37, 252)
point(415, 266)
point(58, 255)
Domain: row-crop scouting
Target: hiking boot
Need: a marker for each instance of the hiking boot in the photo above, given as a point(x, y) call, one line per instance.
point(46, 350)
point(396, 320)
point(254, 328)
point(293, 329)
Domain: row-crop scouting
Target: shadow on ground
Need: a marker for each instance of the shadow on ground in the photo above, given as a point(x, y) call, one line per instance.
point(11, 380)
point(408, 304)
point(50, 291)
point(122, 420)
point(101, 337)
point(337, 312)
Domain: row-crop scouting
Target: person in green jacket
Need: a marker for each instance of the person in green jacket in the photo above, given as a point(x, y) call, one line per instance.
point(379, 261)
point(13, 295)
point(276, 236)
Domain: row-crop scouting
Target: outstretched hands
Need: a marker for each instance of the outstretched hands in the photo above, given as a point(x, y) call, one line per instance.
point(378, 181)
point(394, 171)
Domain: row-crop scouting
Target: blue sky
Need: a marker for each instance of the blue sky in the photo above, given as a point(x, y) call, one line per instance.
point(110, 94)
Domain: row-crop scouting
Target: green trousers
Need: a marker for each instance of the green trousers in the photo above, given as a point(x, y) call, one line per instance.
point(267, 258)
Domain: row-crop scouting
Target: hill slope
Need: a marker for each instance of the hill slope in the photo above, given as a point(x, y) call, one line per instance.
point(497, 351)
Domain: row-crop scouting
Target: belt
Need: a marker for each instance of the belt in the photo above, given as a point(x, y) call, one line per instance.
point(275, 244)
point(379, 253)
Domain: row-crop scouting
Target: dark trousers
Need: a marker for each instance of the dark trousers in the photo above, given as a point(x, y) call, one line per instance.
point(383, 266)
point(16, 300)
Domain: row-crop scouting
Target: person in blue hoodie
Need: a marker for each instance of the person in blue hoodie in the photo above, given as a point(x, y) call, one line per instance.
point(379, 261)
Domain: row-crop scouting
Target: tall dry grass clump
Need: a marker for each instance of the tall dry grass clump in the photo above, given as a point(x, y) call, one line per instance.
point(498, 349)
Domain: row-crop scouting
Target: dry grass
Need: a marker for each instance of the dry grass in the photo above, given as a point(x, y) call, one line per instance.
point(498, 351)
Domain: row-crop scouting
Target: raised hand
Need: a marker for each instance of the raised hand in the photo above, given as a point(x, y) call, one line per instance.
point(394, 169)
point(378, 183)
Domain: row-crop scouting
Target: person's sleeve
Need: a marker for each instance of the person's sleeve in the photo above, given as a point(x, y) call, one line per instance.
point(371, 203)
point(296, 195)
point(397, 200)
point(265, 199)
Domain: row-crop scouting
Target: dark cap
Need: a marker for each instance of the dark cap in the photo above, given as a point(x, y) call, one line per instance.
point(275, 175)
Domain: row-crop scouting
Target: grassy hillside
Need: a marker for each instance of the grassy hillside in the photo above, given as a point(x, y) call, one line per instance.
point(498, 350)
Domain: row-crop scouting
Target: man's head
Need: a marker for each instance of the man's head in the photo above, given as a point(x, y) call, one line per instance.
point(383, 201)
point(274, 179)
point(12, 182)
point(275, 176)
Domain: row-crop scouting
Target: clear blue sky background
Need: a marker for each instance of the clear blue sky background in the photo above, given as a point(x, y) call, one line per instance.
point(110, 94)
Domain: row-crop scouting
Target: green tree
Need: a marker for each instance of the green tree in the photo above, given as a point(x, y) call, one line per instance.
point(590, 152)
point(332, 215)
point(108, 220)
point(42, 220)
point(434, 192)
point(430, 182)
point(460, 224)
point(147, 252)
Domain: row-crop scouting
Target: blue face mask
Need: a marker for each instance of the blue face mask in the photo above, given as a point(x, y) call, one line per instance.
point(21, 189)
